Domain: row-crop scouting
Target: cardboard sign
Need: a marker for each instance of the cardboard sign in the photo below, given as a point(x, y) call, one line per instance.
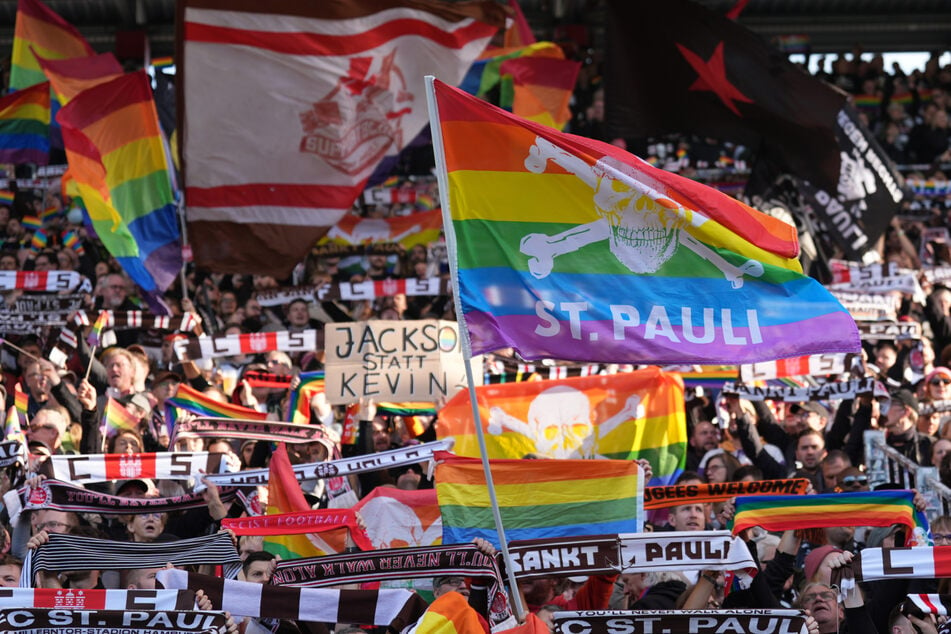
point(394, 361)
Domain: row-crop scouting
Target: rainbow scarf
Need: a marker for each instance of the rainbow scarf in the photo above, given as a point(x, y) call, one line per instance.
point(25, 126)
point(541, 268)
point(298, 401)
point(868, 508)
point(538, 498)
point(284, 495)
point(40, 29)
point(191, 400)
point(117, 158)
point(116, 418)
point(633, 415)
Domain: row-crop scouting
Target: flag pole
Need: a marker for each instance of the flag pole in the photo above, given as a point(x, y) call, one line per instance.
point(442, 179)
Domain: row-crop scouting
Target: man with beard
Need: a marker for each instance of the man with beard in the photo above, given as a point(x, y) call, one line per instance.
point(703, 438)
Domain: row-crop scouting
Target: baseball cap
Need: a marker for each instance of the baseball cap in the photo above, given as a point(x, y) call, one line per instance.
point(940, 371)
point(139, 400)
point(814, 559)
point(810, 406)
point(144, 485)
point(905, 397)
point(164, 376)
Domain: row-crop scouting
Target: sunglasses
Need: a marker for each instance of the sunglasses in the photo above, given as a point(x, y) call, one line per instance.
point(850, 480)
point(944, 537)
point(937, 381)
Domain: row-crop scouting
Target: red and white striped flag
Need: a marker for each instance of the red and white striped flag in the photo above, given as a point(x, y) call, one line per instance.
point(290, 107)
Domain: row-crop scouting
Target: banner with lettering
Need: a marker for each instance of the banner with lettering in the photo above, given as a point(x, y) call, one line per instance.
point(46, 621)
point(873, 278)
point(422, 227)
point(809, 365)
point(80, 599)
point(43, 281)
point(394, 361)
point(890, 330)
point(676, 494)
point(247, 344)
point(834, 390)
point(249, 429)
point(161, 466)
point(679, 621)
point(867, 306)
point(63, 496)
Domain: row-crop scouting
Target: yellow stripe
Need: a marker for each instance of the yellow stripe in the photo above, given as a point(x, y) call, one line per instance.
point(134, 160)
point(538, 493)
point(716, 235)
point(28, 111)
point(526, 197)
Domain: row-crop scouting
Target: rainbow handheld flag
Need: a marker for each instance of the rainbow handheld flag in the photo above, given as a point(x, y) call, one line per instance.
point(539, 498)
point(568, 248)
point(191, 400)
point(298, 401)
point(31, 223)
point(865, 508)
point(39, 241)
point(69, 77)
point(102, 322)
point(21, 402)
point(25, 126)
point(284, 495)
point(6, 197)
point(71, 240)
point(621, 416)
point(14, 424)
point(117, 158)
point(117, 418)
point(41, 29)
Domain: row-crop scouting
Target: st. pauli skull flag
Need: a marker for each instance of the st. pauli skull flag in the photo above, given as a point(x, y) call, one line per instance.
point(565, 247)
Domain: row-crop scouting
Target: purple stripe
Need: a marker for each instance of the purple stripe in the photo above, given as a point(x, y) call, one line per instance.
point(24, 155)
point(834, 332)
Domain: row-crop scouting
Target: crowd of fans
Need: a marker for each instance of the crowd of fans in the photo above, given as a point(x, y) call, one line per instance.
point(729, 439)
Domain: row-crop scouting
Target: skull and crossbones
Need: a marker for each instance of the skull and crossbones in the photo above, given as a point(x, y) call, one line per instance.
point(560, 423)
point(644, 227)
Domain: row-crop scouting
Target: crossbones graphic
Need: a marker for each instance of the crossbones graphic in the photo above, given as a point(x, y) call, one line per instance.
point(644, 227)
point(560, 422)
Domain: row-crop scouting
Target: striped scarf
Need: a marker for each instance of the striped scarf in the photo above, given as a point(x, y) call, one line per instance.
point(243, 598)
point(73, 552)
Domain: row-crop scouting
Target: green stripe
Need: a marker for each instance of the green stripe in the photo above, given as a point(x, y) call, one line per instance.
point(141, 196)
point(24, 126)
point(488, 244)
point(664, 460)
point(280, 550)
point(540, 515)
point(22, 77)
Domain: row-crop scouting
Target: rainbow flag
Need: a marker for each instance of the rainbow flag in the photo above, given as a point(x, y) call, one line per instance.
point(31, 223)
point(539, 88)
point(69, 77)
point(117, 158)
point(21, 401)
point(569, 248)
point(484, 74)
point(116, 418)
point(6, 197)
point(412, 414)
point(519, 33)
point(538, 498)
point(284, 495)
point(163, 62)
point(39, 240)
point(298, 401)
point(619, 416)
point(40, 29)
point(72, 241)
point(25, 126)
point(191, 400)
point(95, 335)
point(14, 424)
point(451, 614)
point(868, 508)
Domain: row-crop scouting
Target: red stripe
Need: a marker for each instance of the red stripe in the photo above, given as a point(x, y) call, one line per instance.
point(280, 194)
point(99, 102)
point(942, 561)
point(323, 44)
point(39, 11)
point(927, 601)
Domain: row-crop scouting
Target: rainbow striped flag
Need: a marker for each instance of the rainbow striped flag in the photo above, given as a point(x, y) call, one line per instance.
point(46, 33)
point(69, 77)
point(191, 400)
point(412, 414)
point(539, 89)
point(619, 416)
point(519, 33)
point(21, 401)
point(485, 73)
point(569, 248)
point(284, 495)
point(6, 197)
point(31, 223)
point(95, 335)
point(116, 418)
point(298, 401)
point(117, 158)
point(163, 62)
point(538, 498)
point(867, 508)
point(39, 240)
point(13, 426)
point(72, 241)
point(451, 614)
point(25, 126)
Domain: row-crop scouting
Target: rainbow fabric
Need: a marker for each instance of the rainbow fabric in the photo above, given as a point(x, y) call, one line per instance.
point(21, 401)
point(40, 29)
point(116, 418)
point(412, 414)
point(69, 77)
point(163, 62)
point(117, 159)
point(31, 223)
point(191, 400)
point(25, 126)
point(539, 88)
point(6, 197)
point(632, 415)
point(298, 402)
point(13, 426)
point(95, 334)
point(451, 614)
point(568, 248)
point(538, 498)
point(284, 495)
point(39, 240)
point(484, 74)
point(519, 33)
point(72, 241)
point(868, 508)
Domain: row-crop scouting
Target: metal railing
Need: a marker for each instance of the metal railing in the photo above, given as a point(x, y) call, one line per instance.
point(886, 464)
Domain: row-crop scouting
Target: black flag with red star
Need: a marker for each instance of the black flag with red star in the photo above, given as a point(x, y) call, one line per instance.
point(674, 66)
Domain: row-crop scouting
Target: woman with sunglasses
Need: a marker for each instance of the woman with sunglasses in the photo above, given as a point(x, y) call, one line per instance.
point(938, 384)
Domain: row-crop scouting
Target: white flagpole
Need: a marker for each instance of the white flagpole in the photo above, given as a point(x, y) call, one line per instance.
point(442, 178)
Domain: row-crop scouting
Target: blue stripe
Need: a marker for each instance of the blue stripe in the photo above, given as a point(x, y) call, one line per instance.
point(503, 291)
point(473, 79)
point(155, 229)
point(24, 142)
point(465, 535)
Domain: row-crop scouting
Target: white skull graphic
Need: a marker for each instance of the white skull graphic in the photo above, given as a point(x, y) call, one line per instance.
point(644, 232)
point(561, 420)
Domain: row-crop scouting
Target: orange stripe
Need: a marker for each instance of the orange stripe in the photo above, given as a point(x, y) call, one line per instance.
point(118, 129)
point(465, 135)
point(49, 36)
point(469, 471)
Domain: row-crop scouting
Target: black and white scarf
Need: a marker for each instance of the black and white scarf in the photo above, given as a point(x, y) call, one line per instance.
point(62, 496)
point(679, 621)
point(60, 620)
point(176, 465)
point(69, 598)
